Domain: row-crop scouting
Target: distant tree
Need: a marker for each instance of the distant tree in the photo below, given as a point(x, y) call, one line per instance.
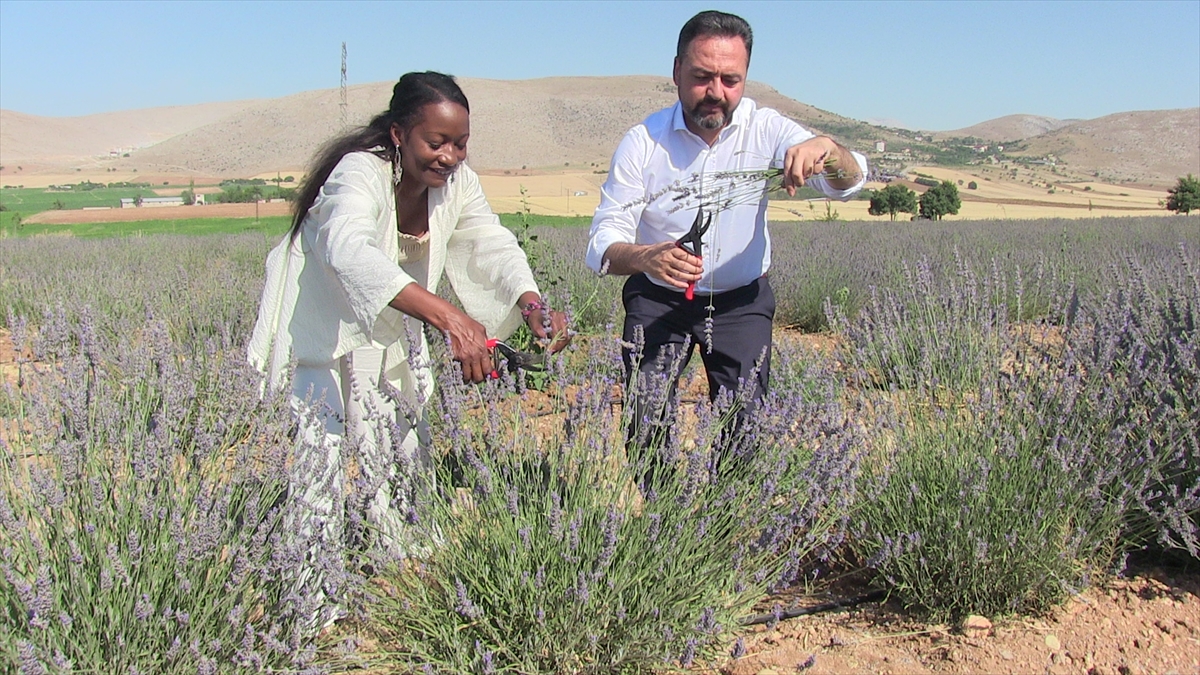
point(972, 185)
point(893, 199)
point(288, 179)
point(1185, 196)
point(939, 201)
point(189, 195)
point(59, 205)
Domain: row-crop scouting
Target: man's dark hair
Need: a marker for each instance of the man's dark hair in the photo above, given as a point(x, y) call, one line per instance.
point(712, 23)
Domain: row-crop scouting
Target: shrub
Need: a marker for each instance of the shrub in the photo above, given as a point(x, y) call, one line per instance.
point(141, 509)
point(987, 506)
point(1139, 347)
point(555, 562)
point(939, 332)
point(1074, 440)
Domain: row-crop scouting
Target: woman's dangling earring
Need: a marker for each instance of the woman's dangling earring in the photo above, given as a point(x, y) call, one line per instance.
point(396, 166)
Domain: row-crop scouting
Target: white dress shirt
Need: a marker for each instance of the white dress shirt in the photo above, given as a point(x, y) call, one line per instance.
point(660, 151)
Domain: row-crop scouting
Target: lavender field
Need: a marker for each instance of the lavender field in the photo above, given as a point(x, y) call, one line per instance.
point(1009, 411)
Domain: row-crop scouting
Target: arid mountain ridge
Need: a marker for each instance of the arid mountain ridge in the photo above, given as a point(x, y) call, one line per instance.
point(565, 122)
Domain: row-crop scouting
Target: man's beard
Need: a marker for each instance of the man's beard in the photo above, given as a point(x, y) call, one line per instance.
point(712, 120)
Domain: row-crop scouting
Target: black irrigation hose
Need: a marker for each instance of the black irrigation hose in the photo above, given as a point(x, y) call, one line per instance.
point(794, 612)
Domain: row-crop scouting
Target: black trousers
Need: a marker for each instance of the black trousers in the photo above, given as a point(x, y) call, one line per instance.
point(668, 328)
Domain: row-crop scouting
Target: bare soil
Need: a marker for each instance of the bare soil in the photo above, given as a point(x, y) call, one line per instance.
point(1147, 623)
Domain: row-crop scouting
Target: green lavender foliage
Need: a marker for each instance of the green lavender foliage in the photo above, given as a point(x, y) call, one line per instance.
point(560, 556)
point(1011, 475)
point(142, 494)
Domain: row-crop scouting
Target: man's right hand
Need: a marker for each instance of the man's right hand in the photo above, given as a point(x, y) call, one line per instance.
point(666, 262)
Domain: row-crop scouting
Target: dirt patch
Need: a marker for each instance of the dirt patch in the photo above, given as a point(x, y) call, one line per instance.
point(8, 358)
point(1149, 623)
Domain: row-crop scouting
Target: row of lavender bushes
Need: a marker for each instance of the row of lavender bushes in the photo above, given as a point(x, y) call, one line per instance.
point(1025, 458)
point(1061, 440)
point(143, 497)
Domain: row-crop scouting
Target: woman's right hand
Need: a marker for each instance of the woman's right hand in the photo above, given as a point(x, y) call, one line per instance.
point(468, 344)
point(468, 339)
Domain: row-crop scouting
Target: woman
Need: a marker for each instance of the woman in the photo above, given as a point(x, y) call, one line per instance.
point(387, 209)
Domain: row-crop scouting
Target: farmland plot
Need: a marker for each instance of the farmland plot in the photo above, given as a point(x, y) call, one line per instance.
point(1005, 412)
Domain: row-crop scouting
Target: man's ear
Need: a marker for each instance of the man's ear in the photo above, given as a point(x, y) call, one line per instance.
point(675, 72)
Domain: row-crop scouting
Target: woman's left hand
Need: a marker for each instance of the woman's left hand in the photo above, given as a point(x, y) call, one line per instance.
point(534, 311)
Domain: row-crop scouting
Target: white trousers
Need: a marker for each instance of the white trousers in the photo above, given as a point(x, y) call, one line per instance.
point(347, 419)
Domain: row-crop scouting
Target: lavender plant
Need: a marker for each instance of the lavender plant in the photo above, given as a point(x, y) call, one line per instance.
point(142, 491)
point(1138, 348)
point(1073, 444)
point(936, 333)
point(555, 562)
point(200, 287)
point(991, 508)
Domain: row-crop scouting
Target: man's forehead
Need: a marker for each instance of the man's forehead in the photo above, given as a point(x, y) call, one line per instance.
point(716, 53)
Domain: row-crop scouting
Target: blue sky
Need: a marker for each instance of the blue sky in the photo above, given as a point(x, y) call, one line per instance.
point(930, 65)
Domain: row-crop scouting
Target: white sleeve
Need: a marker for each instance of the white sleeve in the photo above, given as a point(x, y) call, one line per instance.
point(616, 221)
point(791, 133)
point(344, 233)
point(485, 264)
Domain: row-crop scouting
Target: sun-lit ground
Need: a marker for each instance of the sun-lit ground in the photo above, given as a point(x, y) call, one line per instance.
point(578, 194)
point(560, 194)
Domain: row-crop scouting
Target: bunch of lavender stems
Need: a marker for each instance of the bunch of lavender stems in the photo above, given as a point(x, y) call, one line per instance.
point(143, 488)
point(717, 191)
point(722, 190)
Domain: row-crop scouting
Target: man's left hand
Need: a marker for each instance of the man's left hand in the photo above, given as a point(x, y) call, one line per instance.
point(815, 156)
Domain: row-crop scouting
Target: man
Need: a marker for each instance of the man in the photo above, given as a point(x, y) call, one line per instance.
point(711, 129)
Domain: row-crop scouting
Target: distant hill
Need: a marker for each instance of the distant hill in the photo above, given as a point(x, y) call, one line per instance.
point(565, 122)
point(70, 140)
point(1152, 146)
point(542, 123)
point(1008, 128)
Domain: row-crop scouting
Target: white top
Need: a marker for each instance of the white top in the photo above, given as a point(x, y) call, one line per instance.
point(660, 151)
point(327, 291)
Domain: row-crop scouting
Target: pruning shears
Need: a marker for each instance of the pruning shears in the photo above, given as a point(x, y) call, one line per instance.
point(513, 360)
point(691, 242)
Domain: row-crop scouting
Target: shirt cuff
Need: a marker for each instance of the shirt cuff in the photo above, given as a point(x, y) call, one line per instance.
point(843, 195)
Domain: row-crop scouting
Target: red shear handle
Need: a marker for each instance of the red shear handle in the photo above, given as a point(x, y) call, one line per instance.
point(690, 292)
point(491, 344)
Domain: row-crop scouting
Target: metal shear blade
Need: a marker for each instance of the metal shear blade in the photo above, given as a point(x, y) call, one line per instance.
point(692, 241)
point(515, 360)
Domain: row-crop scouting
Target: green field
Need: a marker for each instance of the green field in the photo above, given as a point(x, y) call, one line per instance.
point(147, 227)
point(28, 201)
point(270, 224)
